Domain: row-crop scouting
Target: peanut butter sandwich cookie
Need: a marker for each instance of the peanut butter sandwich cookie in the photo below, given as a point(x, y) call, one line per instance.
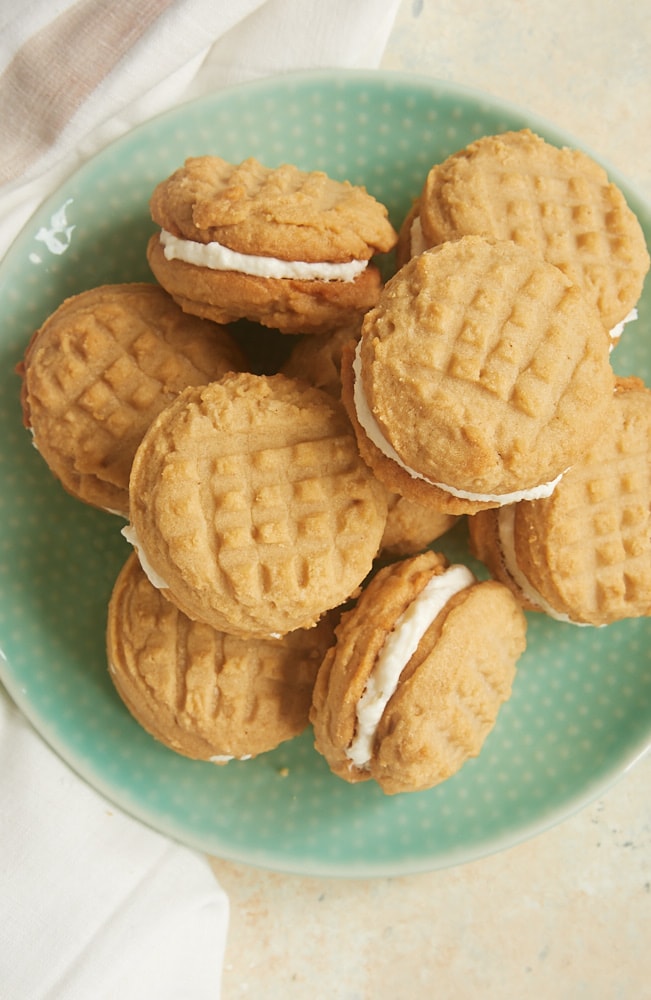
point(410, 526)
point(286, 248)
point(205, 694)
point(583, 555)
point(251, 506)
point(480, 377)
point(99, 370)
point(420, 669)
point(557, 202)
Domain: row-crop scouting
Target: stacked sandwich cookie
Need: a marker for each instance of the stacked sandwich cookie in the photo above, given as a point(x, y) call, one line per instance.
point(287, 248)
point(282, 515)
point(207, 694)
point(480, 377)
point(406, 694)
point(98, 371)
point(583, 555)
point(251, 507)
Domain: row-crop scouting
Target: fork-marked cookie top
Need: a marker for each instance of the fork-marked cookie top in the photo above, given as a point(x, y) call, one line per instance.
point(250, 500)
point(556, 202)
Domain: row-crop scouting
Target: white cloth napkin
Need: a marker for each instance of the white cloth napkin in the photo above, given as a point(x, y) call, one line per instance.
point(93, 904)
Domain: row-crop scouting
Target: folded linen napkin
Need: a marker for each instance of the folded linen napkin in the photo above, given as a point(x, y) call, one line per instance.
point(95, 904)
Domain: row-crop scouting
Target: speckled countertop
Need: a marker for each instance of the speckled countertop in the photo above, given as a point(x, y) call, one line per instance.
point(565, 915)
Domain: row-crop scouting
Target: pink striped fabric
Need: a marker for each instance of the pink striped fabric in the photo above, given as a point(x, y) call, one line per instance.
point(55, 70)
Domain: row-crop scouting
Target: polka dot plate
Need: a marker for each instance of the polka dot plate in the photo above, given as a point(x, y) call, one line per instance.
point(580, 713)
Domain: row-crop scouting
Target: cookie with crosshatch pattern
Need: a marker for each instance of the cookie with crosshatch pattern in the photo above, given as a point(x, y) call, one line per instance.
point(203, 693)
point(97, 372)
point(480, 377)
point(251, 506)
point(584, 554)
point(287, 248)
point(557, 202)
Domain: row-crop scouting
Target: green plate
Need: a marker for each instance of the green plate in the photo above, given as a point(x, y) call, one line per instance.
point(580, 713)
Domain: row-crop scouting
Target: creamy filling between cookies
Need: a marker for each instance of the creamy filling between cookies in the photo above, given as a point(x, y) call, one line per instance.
point(417, 240)
point(373, 431)
point(618, 329)
point(218, 257)
point(224, 758)
point(154, 578)
point(506, 534)
point(399, 646)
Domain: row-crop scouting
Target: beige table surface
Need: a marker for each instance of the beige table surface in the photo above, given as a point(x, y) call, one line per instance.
point(566, 915)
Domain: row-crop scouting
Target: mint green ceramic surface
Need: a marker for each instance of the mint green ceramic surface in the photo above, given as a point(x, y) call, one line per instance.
point(581, 707)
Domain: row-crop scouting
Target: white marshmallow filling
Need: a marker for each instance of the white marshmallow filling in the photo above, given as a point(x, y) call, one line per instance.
point(224, 758)
point(218, 257)
point(373, 431)
point(618, 329)
point(417, 240)
point(154, 578)
point(399, 646)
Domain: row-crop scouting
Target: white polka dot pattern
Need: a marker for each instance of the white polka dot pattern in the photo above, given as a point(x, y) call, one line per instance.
point(581, 707)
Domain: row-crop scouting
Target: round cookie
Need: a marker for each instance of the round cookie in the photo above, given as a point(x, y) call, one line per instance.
point(583, 555)
point(556, 202)
point(286, 248)
point(205, 694)
point(420, 668)
point(251, 506)
point(98, 371)
point(480, 377)
point(410, 526)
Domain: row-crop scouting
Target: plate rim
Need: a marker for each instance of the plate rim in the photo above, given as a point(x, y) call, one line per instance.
point(348, 74)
